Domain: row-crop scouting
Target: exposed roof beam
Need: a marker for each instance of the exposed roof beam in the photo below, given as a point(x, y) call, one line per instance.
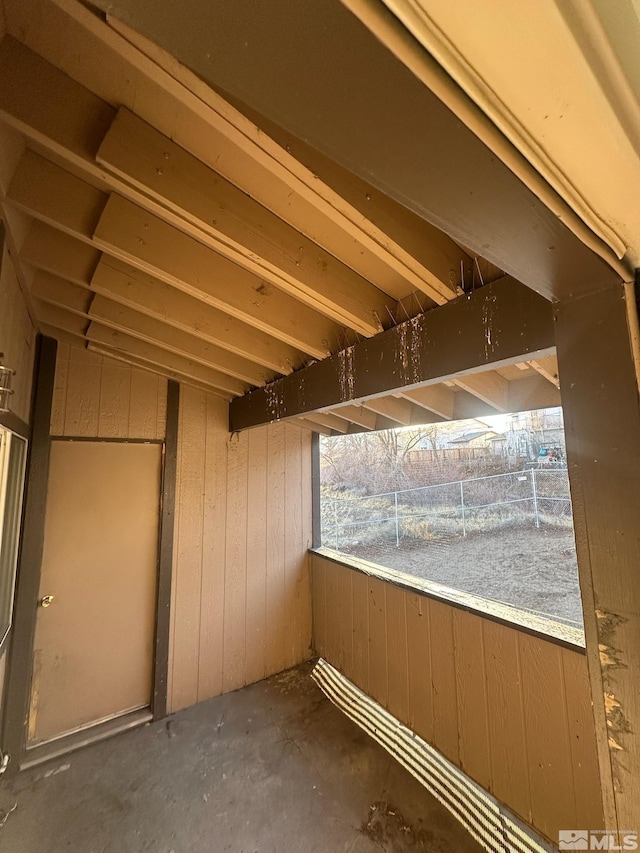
point(66, 258)
point(498, 324)
point(153, 355)
point(48, 249)
point(237, 226)
point(401, 411)
point(436, 398)
point(188, 111)
point(411, 146)
point(71, 297)
point(489, 387)
point(358, 415)
point(163, 370)
point(153, 331)
point(230, 142)
point(547, 367)
point(126, 231)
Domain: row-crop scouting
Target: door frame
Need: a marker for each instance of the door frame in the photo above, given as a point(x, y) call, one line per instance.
point(17, 690)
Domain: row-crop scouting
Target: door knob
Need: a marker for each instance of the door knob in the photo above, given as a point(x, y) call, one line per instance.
point(46, 600)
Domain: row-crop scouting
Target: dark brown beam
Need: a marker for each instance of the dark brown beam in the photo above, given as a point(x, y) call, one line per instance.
point(499, 324)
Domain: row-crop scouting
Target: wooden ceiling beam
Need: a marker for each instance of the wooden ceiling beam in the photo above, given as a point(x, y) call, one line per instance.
point(410, 143)
point(46, 248)
point(71, 297)
point(498, 324)
point(532, 392)
point(547, 367)
point(237, 227)
point(489, 387)
point(436, 398)
point(141, 239)
point(133, 350)
point(357, 415)
point(50, 250)
point(185, 109)
point(401, 411)
point(120, 227)
point(128, 286)
point(162, 370)
point(312, 426)
point(398, 411)
point(155, 356)
point(156, 332)
point(336, 425)
point(150, 169)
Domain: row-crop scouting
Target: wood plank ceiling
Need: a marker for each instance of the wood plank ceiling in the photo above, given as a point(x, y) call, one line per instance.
point(152, 222)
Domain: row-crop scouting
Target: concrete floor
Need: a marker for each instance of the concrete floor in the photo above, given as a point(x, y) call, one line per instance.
point(273, 768)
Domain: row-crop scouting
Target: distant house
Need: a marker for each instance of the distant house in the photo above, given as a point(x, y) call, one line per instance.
point(478, 438)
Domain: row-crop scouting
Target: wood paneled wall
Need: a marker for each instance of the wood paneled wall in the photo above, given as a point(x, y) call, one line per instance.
point(241, 600)
point(511, 709)
point(97, 397)
point(241, 606)
point(17, 338)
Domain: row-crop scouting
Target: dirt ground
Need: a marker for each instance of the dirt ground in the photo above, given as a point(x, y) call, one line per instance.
point(528, 568)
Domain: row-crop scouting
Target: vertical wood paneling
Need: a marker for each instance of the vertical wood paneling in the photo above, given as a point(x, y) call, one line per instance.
point(344, 615)
point(443, 679)
point(235, 578)
point(97, 397)
point(360, 616)
point(471, 692)
point(419, 660)
point(332, 641)
point(60, 385)
point(582, 740)
point(378, 684)
point(295, 561)
point(115, 400)
point(84, 377)
point(276, 635)
point(147, 407)
point(509, 759)
point(256, 618)
point(241, 563)
point(550, 769)
point(319, 584)
point(213, 551)
point(397, 656)
point(511, 709)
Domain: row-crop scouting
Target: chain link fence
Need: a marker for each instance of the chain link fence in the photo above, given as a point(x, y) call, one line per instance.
point(530, 498)
point(505, 537)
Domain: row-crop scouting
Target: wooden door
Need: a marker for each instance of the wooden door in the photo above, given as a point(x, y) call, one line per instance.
point(93, 651)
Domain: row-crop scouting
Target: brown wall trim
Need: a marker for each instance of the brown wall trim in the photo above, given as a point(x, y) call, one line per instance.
point(316, 522)
point(15, 424)
point(165, 557)
point(453, 602)
point(18, 684)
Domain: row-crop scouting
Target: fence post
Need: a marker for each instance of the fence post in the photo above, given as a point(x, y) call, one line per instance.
point(335, 520)
point(395, 502)
point(535, 497)
point(464, 521)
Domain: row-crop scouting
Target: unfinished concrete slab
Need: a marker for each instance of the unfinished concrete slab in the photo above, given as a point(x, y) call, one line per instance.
point(272, 768)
